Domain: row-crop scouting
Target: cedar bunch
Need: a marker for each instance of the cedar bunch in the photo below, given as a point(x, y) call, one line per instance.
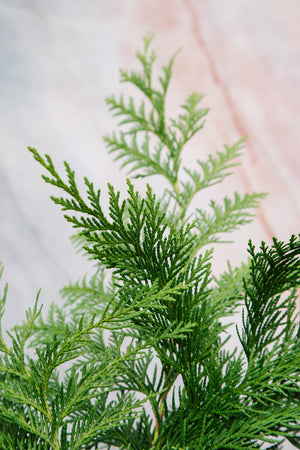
point(149, 366)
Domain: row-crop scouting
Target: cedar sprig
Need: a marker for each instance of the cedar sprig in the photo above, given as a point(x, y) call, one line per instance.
point(140, 355)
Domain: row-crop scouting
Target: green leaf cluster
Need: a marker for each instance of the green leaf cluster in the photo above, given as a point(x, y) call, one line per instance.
point(140, 355)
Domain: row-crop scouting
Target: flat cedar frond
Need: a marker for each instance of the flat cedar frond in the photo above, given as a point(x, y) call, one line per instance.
point(138, 244)
point(225, 218)
point(190, 122)
point(142, 359)
point(136, 153)
point(34, 401)
point(213, 171)
point(273, 271)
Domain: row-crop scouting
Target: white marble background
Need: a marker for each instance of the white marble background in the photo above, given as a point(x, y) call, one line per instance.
point(59, 59)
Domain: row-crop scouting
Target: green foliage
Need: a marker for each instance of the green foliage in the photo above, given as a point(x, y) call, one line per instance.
point(138, 356)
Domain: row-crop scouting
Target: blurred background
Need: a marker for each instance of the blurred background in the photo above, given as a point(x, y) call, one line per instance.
point(59, 59)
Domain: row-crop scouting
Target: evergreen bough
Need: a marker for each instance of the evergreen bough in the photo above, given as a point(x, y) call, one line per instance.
point(138, 357)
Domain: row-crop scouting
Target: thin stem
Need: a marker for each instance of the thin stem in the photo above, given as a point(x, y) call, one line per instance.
point(161, 414)
point(181, 209)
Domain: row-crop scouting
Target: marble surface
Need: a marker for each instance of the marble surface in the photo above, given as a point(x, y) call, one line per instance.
point(59, 59)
